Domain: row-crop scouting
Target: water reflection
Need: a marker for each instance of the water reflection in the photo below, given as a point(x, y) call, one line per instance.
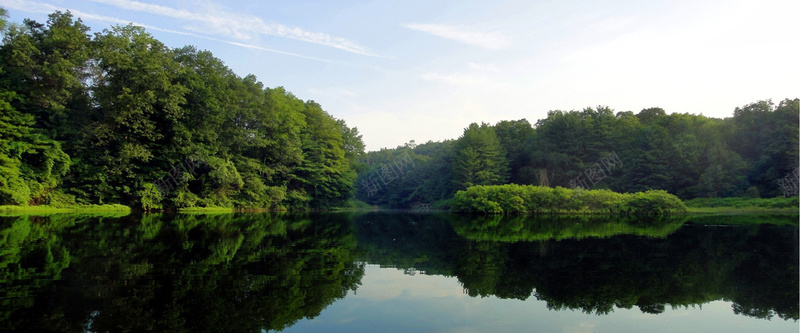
point(581, 266)
point(255, 272)
point(186, 273)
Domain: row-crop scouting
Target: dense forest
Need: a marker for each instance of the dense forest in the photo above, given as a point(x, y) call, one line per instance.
point(691, 156)
point(118, 117)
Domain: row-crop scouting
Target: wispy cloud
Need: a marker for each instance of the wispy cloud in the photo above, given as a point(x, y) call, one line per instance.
point(336, 92)
point(487, 40)
point(214, 20)
point(456, 79)
point(482, 77)
point(483, 67)
point(43, 8)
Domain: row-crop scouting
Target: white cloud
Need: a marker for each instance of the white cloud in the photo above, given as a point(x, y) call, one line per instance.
point(43, 8)
point(456, 79)
point(487, 78)
point(218, 21)
point(487, 40)
point(35, 7)
point(483, 68)
point(338, 92)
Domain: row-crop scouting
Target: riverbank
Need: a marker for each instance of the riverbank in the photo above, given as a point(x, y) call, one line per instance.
point(45, 209)
point(92, 209)
point(738, 205)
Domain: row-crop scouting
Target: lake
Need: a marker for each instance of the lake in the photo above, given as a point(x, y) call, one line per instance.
point(397, 272)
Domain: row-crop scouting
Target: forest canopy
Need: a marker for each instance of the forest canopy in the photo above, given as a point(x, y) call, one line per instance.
point(691, 156)
point(118, 117)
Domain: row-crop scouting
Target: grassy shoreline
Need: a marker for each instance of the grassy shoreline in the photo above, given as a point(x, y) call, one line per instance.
point(699, 206)
point(741, 210)
point(206, 210)
point(739, 205)
point(46, 210)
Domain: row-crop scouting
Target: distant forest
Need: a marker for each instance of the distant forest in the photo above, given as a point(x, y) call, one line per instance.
point(751, 155)
point(118, 117)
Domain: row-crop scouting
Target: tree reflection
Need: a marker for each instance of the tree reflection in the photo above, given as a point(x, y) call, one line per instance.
point(594, 265)
point(189, 273)
point(255, 272)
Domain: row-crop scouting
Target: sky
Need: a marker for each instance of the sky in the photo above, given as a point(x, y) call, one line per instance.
point(424, 70)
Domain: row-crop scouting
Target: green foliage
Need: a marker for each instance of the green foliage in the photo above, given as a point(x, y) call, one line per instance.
point(686, 155)
point(66, 210)
point(150, 197)
point(354, 204)
point(98, 116)
point(130, 111)
point(3, 19)
point(57, 198)
point(479, 158)
point(426, 179)
point(521, 199)
point(31, 164)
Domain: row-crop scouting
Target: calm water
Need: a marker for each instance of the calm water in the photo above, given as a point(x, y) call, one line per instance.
point(397, 272)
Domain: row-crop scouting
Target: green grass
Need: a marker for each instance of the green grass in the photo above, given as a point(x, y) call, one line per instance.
point(738, 202)
point(737, 205)
point(205, 210)
point(48, 210)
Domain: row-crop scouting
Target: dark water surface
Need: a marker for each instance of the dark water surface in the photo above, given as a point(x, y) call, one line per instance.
point(397, 272)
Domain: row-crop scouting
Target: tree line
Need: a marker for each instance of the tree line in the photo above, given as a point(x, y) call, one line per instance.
point(114, 117)
point(688, 155)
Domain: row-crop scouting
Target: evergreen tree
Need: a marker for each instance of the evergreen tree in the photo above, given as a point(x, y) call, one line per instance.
point(479, 158)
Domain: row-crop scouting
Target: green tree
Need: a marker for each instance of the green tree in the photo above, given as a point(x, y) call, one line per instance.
point(31, 164)
point(46, 65)
point(324, 178)
point(516, 137)
point(479, 158)
point(138, 129)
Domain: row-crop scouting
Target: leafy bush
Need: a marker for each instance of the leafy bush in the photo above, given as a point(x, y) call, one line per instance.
point(58, 198)
point(520, 199)
point(150, 197)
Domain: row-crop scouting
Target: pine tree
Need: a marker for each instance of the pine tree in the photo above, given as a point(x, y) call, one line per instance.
point(479, 158)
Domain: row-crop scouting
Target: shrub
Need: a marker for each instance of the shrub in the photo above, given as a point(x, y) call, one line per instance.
point(519, 199)
point(150, 197)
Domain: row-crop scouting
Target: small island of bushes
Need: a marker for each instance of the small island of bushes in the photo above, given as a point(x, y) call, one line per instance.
point(528, 199)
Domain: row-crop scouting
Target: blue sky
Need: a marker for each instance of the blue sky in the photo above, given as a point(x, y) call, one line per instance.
point(424, 70)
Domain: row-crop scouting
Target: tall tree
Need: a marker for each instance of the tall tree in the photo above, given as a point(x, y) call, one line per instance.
point(516, 136)
point(47, 65)
point(479, 158)
point(138, 127)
